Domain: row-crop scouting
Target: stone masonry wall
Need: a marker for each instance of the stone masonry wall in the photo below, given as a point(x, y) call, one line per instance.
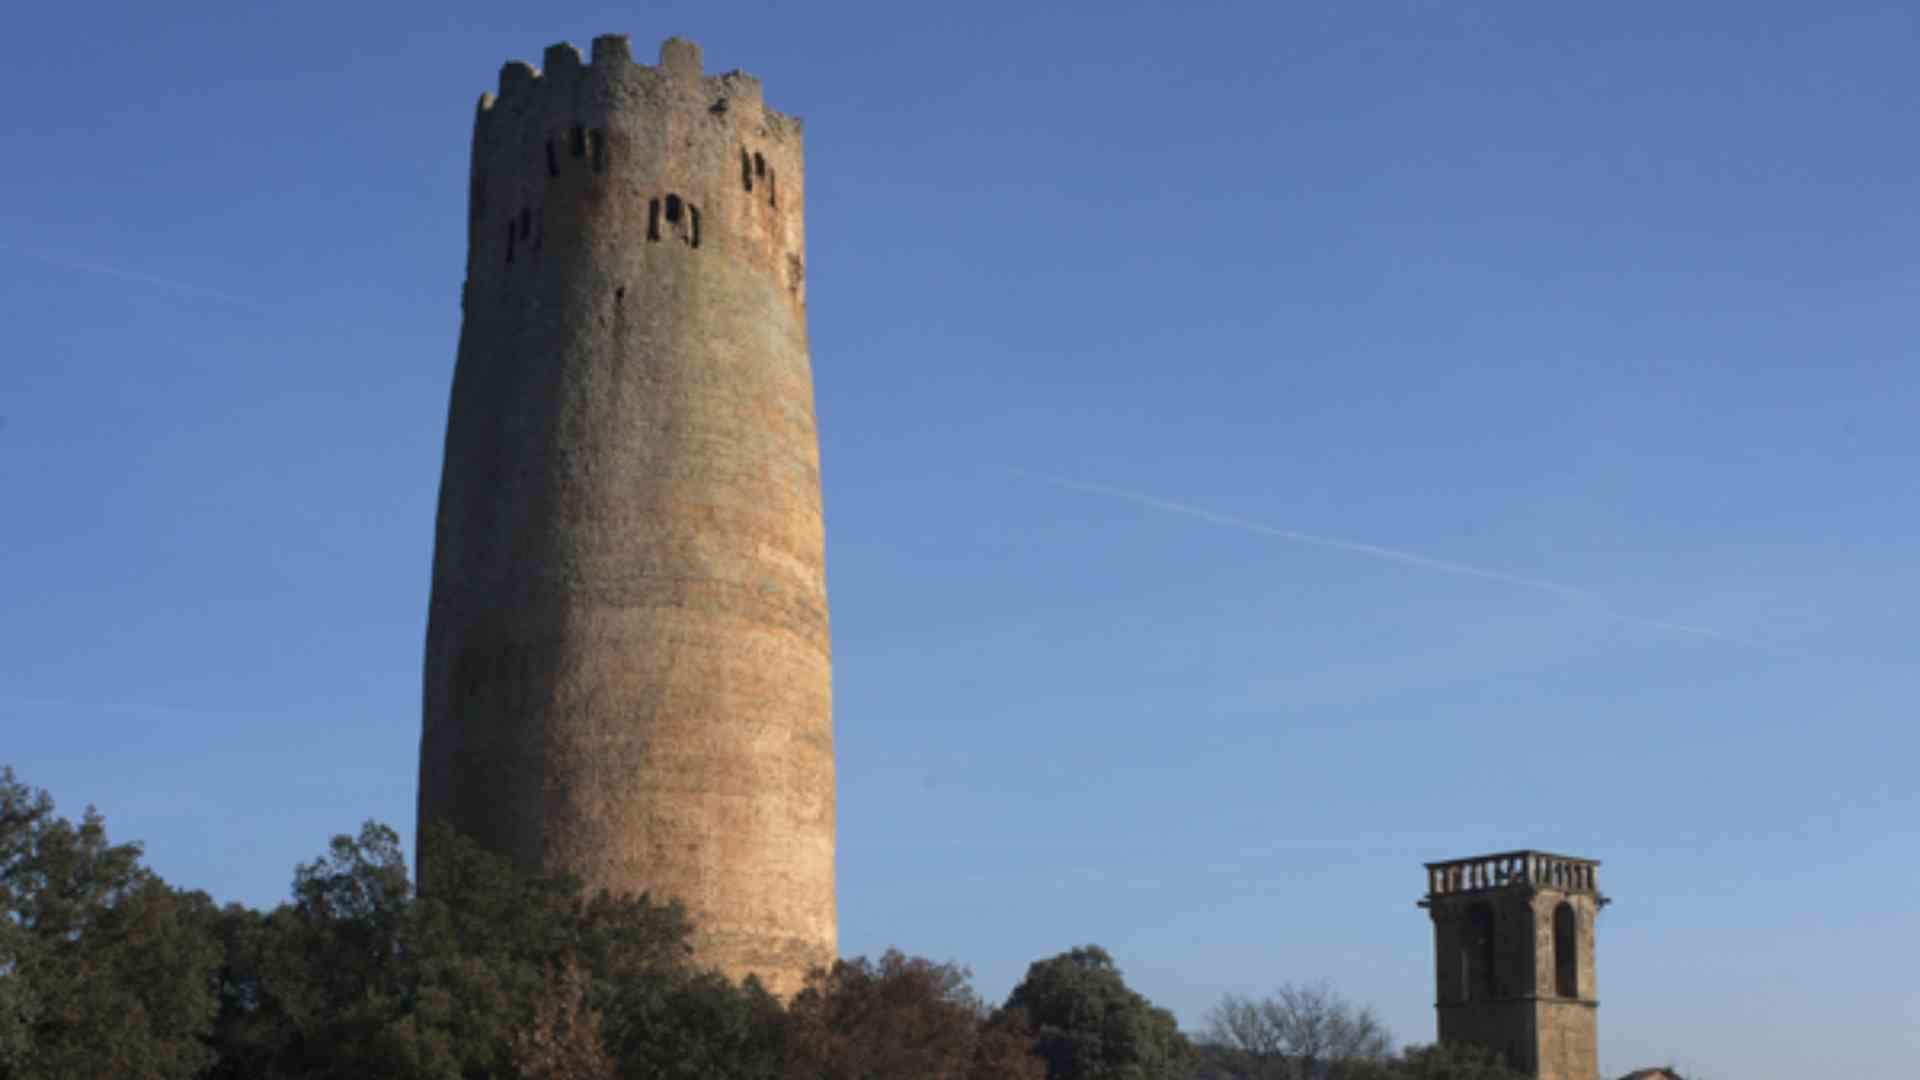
point(628, 665)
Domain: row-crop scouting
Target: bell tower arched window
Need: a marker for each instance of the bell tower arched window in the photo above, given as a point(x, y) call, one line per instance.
point(1566, 951)
point(1476, 954)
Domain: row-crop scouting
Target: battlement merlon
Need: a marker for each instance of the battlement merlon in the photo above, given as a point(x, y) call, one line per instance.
point(523, 86)
point(1513, 868)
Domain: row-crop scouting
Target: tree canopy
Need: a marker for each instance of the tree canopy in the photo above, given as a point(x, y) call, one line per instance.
point(1299, 1032)
point(902, 1016)
point(1440, 1061)
point(1088, 1025)
point(496, 973)
point(489, 972)
point(104, 969)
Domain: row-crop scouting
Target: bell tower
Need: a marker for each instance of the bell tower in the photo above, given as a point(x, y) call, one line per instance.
point(1513, 958)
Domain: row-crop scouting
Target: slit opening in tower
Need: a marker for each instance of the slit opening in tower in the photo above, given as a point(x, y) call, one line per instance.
point(693, 225)
point(553, 160)
point(653, 219)
point(577, 141)
point(759, 165)
point(746, 170)
point(771, 201)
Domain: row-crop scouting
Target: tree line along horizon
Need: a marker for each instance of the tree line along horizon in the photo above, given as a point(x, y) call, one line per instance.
point(106, 970)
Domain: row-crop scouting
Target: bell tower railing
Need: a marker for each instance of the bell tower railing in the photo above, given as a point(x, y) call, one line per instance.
point(1512, 868)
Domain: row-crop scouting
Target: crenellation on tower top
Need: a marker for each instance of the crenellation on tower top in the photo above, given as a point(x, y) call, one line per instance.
point(680, 59)
point(741, 90)
point(612, 49)
point(679, 72)
point(515, 77)
point(560, 56)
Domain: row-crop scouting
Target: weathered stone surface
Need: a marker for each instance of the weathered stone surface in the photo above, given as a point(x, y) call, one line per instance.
point(1513, 958)
point(628, 668)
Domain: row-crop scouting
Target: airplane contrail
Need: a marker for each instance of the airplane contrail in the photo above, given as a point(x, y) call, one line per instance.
point(117, 706)
point(86, 267)
point(1396, 555)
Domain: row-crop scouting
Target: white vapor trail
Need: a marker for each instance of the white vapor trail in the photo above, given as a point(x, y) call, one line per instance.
point(86, 267)
point(1395, 555)
point(115, 706)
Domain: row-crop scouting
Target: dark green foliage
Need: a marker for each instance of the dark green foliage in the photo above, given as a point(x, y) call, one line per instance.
point(563, 1042)
point(496, 974)
point(1441, 1061)
point(903, 1016)
point(325, 985)
point(490, 938)
point(1455, 1061)
point(19, 1009)
point(357, 977)
point(1006, 1049)
point(682, 1024)
point(1212, 1062)
point(104, 970)
point(1088, 1025)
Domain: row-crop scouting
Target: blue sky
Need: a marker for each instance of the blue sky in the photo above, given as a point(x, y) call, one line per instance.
point(1266, 447)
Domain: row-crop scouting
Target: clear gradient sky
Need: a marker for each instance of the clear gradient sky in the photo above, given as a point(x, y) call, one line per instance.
point(1267, 446)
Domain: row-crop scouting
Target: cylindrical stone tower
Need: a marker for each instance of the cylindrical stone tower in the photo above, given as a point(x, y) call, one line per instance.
point(627, 665)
